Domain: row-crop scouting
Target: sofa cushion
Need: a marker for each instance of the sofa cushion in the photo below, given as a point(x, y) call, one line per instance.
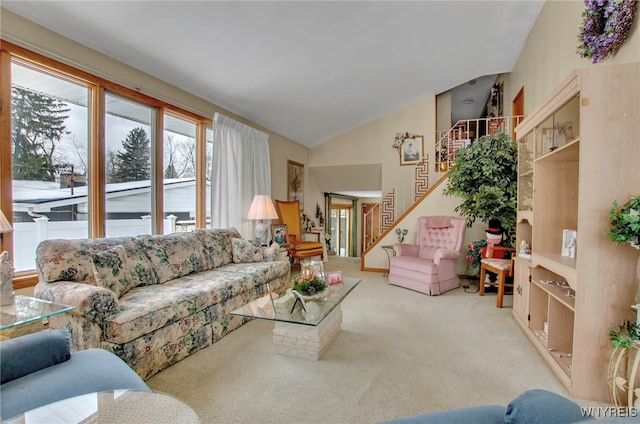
point(32, 352)
point(217, 244)
point(271, 253)
point(414, 264)
point(70, 260)
point(145, 309)
point(141, 271)
point(245, 250)
point(260, 272)
point(542, 407)
point(110, 270)
point(174, 255)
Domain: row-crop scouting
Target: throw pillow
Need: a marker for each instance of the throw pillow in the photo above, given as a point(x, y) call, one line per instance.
point(110, 270)
point(217, 245)
point(246, 250)
point(271, 253)
point(174, 255)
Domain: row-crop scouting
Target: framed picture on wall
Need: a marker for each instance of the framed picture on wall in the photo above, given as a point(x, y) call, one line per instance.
point(295, 182)
point(411, 150)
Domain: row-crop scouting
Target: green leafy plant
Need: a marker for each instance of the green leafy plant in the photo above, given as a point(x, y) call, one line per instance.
point(485, 177)
point(625, 222)
point(625, 336)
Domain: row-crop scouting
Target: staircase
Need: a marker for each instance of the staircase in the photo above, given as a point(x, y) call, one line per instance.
point(416, 184)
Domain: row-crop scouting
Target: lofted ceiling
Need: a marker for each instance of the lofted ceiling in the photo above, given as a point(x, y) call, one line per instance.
point(308, 70)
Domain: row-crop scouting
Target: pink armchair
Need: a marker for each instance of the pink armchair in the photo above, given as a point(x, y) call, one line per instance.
point(431, 266)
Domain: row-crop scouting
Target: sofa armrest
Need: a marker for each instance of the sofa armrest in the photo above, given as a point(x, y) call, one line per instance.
point(445, 254)
point(32, 352)
point(92, 302)
point(404, 249)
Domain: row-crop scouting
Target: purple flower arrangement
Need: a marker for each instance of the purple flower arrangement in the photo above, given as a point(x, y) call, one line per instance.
point(605, 26)
point(401, 234)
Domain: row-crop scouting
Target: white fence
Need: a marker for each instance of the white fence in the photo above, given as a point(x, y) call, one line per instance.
point(27, 235)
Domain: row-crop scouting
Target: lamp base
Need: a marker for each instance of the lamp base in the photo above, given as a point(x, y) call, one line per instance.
point(262, 233)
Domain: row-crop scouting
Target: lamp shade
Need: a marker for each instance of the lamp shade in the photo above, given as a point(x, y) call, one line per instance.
point(5, 225)
point(262, 208)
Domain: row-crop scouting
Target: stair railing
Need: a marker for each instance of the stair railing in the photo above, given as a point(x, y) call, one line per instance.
point(436, 161)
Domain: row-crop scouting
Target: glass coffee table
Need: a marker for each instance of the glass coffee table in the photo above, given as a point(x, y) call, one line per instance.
point(303, 330)
point(25, 314)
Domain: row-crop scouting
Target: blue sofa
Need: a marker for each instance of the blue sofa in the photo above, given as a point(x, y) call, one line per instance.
point(39, 368)
point(532, 407)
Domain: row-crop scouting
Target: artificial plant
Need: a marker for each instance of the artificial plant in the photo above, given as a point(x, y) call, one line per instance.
point(625, 222)
point(485, 177)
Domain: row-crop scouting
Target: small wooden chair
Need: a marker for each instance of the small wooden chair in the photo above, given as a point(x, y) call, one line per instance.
point(503, 268)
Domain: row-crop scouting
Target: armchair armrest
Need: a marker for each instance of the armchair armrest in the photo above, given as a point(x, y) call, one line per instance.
point(32, 352)
point(445, 254)
point(314, 234)
point(403, 249)
point(92, 303)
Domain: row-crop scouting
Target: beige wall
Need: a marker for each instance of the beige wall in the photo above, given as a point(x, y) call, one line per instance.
point(549, 54)
point(27, 34)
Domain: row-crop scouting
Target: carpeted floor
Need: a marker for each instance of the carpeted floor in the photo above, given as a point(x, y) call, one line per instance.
point(400, 353)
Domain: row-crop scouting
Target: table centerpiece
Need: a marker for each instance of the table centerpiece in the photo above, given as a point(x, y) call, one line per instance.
point(310, 287)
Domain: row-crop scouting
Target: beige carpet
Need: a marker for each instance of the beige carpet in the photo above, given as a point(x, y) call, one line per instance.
point(400, 353)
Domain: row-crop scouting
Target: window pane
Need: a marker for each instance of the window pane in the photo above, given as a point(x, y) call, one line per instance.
point(179, 174)
point(49, 125)
point(128, 134)
point(207, 165)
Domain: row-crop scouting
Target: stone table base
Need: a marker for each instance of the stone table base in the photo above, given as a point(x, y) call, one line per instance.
point(305, 341)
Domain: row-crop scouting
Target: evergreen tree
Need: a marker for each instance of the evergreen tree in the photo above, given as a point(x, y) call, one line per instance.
point(133, 164)
point(170, 171)
point(37, 125)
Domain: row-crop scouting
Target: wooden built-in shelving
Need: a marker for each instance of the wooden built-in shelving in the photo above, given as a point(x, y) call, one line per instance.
point(579, 154)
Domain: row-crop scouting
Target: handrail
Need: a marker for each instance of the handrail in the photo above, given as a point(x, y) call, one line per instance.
point(419, 179)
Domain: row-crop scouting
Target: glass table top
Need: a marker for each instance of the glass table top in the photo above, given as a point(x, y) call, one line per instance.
point(25, 309)
point(287, 310)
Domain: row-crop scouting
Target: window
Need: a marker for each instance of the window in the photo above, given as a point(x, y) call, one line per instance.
point(179, 174)
point(70, 179)
point(128, 134)
point(49, 130)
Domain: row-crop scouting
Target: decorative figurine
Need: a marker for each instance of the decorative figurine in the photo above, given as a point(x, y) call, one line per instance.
point(6, 276)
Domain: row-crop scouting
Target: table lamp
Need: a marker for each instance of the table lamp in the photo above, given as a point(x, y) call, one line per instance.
point(262, 208)
point(6, 269)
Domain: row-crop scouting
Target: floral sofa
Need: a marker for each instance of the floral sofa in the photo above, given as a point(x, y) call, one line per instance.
point(154, 300)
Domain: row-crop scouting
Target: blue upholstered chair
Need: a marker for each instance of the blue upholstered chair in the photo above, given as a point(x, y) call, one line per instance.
point(39, 368)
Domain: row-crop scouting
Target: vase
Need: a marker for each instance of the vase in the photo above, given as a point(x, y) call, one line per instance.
point(314, 297)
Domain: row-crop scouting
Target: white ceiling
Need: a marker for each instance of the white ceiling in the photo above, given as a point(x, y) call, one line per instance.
point(308, 70)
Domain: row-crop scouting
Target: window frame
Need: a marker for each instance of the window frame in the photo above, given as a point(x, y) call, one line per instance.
point(98, 87)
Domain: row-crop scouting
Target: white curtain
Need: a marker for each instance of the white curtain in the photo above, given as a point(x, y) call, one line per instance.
point(240, 169)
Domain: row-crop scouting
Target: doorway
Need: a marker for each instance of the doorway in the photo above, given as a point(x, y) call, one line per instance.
point(370, 224)
point(517, 109)
point(341, 228)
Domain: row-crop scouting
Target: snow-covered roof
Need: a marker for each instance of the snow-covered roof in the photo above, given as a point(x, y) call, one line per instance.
point(48, 194)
